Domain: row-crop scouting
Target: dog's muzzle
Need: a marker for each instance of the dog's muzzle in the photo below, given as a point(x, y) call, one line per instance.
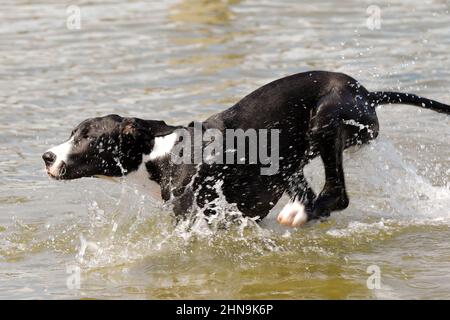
point(54, 170)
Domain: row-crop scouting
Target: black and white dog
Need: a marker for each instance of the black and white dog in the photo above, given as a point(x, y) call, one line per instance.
point(316, 113)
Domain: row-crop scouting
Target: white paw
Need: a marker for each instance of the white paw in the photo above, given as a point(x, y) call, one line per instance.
point(293, 215)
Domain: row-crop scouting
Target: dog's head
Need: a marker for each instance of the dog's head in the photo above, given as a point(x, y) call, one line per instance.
point(110, 146)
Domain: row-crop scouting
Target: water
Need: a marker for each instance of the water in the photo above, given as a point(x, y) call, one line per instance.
point(184, 60)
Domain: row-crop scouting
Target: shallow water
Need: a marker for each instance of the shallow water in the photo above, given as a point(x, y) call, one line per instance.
point(184, 60)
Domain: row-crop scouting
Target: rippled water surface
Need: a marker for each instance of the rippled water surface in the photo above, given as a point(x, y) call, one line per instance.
point(185, 60)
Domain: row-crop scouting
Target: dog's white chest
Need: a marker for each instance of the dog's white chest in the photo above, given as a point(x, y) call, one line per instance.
point(140, 180)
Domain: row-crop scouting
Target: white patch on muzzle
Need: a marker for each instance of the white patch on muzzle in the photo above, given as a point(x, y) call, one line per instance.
point(62, 152)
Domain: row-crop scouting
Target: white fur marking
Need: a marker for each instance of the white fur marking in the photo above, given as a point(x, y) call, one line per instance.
point(62, 152)
point(163, 146)
point(293, 215)
point(141, 180)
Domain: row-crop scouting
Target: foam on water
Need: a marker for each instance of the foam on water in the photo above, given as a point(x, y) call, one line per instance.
point(130, 230)
point(399, 186)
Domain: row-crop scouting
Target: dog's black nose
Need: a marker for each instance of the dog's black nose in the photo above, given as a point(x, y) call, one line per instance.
point(49, 158)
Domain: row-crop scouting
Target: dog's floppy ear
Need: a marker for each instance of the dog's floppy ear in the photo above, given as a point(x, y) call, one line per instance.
point(134, 127)
point(160, 128)
point(130, 128)
point(139, 134)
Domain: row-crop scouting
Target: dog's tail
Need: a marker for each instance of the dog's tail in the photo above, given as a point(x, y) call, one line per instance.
point(387, 97)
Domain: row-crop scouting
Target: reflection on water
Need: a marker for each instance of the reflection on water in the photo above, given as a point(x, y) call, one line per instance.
point(184, 60)
point(203, 12)
point(205, 24)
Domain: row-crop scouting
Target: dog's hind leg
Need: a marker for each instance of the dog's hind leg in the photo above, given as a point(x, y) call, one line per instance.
point(328, 138)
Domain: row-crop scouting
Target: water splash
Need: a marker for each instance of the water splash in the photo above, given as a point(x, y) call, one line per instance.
point(387, 195)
